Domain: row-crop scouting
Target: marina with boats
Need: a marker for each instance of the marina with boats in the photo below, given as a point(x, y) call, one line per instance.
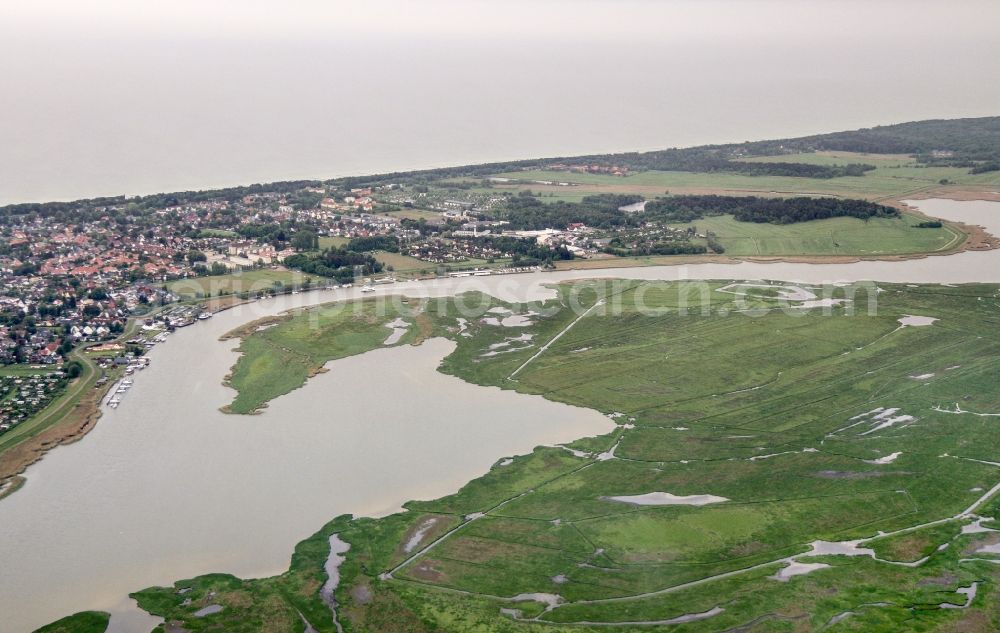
point(118, 391)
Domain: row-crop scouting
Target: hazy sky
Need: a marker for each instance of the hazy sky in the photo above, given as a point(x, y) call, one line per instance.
point(109, 97)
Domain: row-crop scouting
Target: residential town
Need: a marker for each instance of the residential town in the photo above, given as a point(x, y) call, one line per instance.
point(74, 273)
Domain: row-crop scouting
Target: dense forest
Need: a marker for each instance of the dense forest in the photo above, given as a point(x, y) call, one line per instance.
point(526, 212)
point(755, 209)
point(971, 143)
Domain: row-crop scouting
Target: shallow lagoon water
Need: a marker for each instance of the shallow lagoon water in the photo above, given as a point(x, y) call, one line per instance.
point(668, 499)
point(796, 568)
point(167, 487)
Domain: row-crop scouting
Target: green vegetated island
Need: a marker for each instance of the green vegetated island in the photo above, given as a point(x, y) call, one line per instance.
point(782, 460)
point(773, 468)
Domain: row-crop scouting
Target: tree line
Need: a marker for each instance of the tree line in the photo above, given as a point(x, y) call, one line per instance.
point(677, 209)
point(973, 142)
point(338, 263)
point(389, 243)
point(658, 248)
point(722, 159)
point(525, 252)
point(527, 213)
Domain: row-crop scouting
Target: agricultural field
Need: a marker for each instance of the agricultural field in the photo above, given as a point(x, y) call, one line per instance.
point(237, 283)
point(831, 236)
point(785, 458)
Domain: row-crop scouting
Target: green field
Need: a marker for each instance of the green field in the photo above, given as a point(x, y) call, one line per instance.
point(831, 236)
point(244, 281)
point(327, 242)
point(886, 181)
point(402, 263)
point(217, 233)
point(26, 370)
point(717, 389)
point(838, 158)
point(415, 214)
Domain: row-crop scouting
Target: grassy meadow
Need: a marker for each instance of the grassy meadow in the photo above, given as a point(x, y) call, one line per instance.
point(83, 622)
point(838, 158)
point(831, 236)
point(238, 282)
point(717, 389)
point(333, 241)
point(893, 177)
point(402, 263)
